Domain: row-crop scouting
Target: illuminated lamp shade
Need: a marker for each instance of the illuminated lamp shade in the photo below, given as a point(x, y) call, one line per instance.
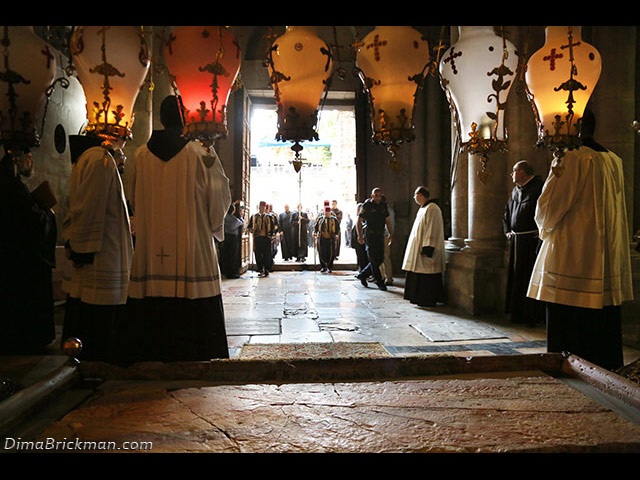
point(392, 61)
point(299, 64)
point(26, 73)
point(112, 64)
point(560, 79)
point(204, 62)
point(476, 74)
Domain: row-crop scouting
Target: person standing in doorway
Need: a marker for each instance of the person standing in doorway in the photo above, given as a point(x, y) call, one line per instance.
point(386, 268)
point(27, 256)
point(424, 257)
point(233, 228)
point(300, 230)
point(275, 238)
point(520, 228)
point(373, 218)
point(326, 230)
point(348, 229)
point(286, 235)
point(583, 269)
point(262, 226)
point(360, 248)
point(338, 214)
point(180, 198)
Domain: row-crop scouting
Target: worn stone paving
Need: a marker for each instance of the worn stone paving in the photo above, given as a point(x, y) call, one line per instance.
point(519, 412)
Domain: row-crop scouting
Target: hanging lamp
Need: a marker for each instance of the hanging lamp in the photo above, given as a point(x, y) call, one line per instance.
point(477, 73)
point(392, 62)
point(560, 79)
point(204, 62)
point(26, 73)
point(299, 64)
point(112, 63)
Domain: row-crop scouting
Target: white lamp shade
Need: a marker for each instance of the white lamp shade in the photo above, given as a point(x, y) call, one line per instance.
point(478, 72)
point(551, 67)
point(112, 64)
point(300, 63)
point(393, 60)
point(27, 71)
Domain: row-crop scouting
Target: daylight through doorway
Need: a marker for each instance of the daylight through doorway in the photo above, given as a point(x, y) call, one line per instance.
point(328, 171)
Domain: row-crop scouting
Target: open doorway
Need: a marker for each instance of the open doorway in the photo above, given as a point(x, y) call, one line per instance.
point(328, 169)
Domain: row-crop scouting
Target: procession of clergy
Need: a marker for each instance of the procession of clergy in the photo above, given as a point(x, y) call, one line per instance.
point(292, 233)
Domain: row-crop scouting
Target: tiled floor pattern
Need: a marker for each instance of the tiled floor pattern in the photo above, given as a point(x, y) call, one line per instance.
point(309, 306)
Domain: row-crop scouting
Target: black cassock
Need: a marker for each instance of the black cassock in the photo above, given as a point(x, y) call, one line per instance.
point(523, 249)
point(286, 242)
point(27, 256)
point(300, 234)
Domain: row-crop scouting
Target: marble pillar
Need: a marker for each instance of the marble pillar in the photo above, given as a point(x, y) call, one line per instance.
point(459, 203)
point(475, 273)
point(485, 204)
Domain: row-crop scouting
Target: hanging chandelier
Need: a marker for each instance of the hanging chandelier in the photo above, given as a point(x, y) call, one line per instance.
point(204, 63)
point(29, 71)
point(560, 79)
point(299, 64)
point(476, 74)
point(392, 62)
point(112, 63)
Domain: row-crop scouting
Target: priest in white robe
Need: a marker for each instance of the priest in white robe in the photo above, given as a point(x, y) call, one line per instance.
point(180, 197)
point(98, 242)
point(583, 269)
point(424, 257)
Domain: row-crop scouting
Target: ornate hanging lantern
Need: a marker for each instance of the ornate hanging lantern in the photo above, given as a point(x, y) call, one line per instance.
point(204, 62)
point(477, 73)
point(392, 63)
point(112, 64)
point(560, 78)
point(29, 71)
point(299, 64)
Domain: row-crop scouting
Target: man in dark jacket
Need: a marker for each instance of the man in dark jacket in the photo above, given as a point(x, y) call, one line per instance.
point(372, 219)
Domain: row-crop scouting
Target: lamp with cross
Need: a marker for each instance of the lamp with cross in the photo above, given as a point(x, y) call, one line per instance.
point(476, 74)
point(112, 63)
point(560, 79)
point(299, 64)
point(29, 70)
point(392, 63)
point(204, 64)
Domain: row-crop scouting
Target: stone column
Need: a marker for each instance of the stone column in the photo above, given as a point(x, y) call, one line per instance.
point(474, 274)
point(486, 204)
point(459, 203)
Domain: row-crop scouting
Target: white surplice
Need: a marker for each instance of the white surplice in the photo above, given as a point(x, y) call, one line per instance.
point(584, 260)
point(98, 222)
point(427, 231)
point(179, 207)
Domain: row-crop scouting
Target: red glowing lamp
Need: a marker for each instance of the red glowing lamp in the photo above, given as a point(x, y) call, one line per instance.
point(204, 63)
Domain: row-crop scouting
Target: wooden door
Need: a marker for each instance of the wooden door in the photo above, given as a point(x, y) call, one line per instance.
point(242, 164)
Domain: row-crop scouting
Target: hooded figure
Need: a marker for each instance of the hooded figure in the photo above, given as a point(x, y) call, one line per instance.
point(180, 195)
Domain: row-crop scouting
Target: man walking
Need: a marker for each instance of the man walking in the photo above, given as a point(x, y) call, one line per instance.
point(262, 226)
point(373, 218)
